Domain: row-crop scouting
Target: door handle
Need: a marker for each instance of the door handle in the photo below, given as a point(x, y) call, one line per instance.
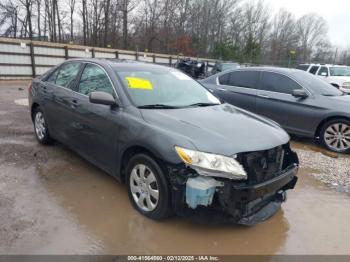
point(263, 96)
point(74, 103)
point(222, 89)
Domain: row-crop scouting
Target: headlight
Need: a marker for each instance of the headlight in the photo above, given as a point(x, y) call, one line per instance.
point(346, 85)
point(199, 64)
point(212, 164)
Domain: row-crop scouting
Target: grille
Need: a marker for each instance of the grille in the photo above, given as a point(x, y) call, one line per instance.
point(263, 165)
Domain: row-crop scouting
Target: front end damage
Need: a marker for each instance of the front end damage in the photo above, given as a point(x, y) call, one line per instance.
point(213, 199)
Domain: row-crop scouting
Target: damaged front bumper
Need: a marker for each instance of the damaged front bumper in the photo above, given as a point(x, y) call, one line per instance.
point(236, 201)
point(249, 205)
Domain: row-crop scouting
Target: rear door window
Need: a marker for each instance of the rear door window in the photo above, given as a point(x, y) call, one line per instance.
point(314, 69)
point(223, 79)
point(65, 74)
point(245, 79)
point(278, 83)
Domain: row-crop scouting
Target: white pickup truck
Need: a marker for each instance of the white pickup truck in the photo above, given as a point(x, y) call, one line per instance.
point(336, 75)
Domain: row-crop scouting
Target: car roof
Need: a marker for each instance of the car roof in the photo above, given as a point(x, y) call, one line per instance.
point(328, 65)
point(115, 63)
point(281, 70)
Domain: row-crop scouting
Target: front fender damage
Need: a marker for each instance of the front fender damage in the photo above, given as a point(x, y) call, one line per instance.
point(238, 202)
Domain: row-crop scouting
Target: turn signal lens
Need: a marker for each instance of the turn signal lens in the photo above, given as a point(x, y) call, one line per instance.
point(182, 154)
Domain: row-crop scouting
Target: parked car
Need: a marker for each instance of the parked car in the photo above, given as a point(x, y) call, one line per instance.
point(174, 144)
point(223, 66)
point(193, 68)
point(300, 102)
point(336, 75)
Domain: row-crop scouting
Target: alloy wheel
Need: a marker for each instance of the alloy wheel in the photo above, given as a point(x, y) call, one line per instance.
point(40, 128)
point(337, 137)
point(144, 187)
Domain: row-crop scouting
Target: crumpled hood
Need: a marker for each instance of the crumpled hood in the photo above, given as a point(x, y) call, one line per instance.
point(222, 129)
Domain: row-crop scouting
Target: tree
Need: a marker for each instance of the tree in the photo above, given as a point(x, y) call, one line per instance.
point(312, 29)
point(71, 4)
point(126, 7)
point(283, 37)
point(9, 18)
point(28, 18)
point(243, 30)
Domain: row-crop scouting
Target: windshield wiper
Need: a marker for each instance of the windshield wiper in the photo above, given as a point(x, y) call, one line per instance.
point(204, 104)
point(157, 106)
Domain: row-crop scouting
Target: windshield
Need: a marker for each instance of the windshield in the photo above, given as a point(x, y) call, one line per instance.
point(340, 71)
point(164, 87)
point(316, 84)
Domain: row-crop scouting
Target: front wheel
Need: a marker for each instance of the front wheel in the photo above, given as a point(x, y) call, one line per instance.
point(147, 187)
point(335, 135)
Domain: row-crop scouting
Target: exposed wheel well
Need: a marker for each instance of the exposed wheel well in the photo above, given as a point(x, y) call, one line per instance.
point(128, 154)
point(34, 106)
point(319, 127)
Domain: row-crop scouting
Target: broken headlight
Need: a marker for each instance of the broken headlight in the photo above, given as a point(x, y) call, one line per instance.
point(212, 164)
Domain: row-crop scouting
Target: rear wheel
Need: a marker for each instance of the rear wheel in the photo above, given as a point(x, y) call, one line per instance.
point(40, 127)
point(335, 135)
point(147, 187)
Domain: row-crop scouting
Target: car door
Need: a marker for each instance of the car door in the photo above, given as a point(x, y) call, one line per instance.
point(238, 88)
point(275, 101)
point(95, 127)
point(58, 98)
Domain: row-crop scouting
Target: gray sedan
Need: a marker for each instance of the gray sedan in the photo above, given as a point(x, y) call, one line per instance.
point(175, 145)
point(300, 102)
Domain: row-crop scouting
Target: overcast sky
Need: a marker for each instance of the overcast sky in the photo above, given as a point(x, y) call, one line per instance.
point(336, 13)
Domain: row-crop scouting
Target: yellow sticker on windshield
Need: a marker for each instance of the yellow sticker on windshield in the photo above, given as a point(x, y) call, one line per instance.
point(140, 83)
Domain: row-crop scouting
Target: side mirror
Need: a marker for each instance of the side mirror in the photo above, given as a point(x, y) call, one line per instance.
point(324, 74)
point(102, 98)
point(299, 93)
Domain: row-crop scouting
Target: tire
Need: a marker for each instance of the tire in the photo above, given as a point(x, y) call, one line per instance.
point(335, 135)
point(144, 179)
point(40, 127)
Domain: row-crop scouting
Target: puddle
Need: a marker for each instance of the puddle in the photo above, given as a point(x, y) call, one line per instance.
point(19, 141)
point(22, 102)
point(314, 220)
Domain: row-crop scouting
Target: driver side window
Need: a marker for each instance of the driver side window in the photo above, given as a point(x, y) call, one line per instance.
point(94, 78)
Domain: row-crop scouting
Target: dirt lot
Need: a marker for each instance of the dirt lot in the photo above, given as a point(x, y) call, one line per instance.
point(54, 202)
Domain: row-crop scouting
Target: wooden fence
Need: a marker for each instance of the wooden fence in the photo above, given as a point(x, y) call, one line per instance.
point(22, 59)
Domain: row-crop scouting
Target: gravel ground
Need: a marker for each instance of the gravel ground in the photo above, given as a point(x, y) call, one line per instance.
point(331, 170)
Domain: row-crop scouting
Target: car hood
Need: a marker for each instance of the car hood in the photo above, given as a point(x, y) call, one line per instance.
point(222, 129)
